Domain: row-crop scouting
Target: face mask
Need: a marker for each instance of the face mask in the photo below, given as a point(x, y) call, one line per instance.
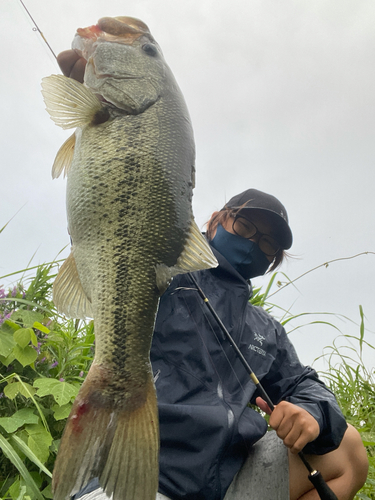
point(244, 255)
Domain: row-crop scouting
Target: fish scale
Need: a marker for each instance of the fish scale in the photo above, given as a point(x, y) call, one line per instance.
point(130, 168)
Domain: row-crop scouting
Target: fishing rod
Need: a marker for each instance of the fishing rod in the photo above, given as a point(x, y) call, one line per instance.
point(314, 476)
point(36, 28)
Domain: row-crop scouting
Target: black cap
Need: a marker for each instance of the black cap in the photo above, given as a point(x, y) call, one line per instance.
point(255, 200)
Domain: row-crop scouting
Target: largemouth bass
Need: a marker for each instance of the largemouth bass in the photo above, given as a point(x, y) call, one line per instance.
point(130, 167)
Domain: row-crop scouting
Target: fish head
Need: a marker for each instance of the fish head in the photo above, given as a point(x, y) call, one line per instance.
point(125, 65)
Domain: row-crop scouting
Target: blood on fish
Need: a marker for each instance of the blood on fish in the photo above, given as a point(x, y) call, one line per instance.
point(81, 410)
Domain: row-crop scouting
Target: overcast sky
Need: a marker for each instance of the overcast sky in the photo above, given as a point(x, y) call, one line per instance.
point(281, 96)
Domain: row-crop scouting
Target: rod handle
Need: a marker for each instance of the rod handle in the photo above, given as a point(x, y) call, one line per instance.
point(321, 486)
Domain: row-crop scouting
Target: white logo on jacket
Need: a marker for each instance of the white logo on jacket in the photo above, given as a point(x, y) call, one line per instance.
point(259, 338)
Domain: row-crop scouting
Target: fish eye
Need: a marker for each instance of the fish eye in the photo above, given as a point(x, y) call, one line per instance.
point(150, 49)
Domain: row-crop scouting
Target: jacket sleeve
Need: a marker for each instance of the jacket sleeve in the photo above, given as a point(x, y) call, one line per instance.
point(288, 380)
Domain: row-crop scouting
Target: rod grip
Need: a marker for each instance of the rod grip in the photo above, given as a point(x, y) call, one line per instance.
point(321, 486)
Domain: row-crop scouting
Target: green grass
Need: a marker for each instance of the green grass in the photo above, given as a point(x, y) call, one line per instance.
point(44, 358)
point(346, 373)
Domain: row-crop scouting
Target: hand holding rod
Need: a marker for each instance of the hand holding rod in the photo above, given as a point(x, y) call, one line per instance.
point(315, 476)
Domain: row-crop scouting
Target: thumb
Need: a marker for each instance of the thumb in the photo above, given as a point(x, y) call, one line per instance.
point(263, 405)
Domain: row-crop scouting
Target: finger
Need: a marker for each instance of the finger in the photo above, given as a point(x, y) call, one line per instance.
point(294, 440)
point(263, 405)
point(281, 424)
point(78, 70)
point(67, 60)
point(298, 445)
point(72, 65)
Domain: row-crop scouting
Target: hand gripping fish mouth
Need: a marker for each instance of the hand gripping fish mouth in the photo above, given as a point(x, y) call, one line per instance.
point(130, 176)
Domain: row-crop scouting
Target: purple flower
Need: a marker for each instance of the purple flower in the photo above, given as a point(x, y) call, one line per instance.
point(14, 291)
point(62, 379)
point(24, 295)
point(43, 360)
point(2, 293)
point(37, 347)
point(2, 395)
point(81, 374)
point(54, 364)
point(5, 317)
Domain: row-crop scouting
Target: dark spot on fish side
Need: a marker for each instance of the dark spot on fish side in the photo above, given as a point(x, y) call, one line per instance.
point(100, 117)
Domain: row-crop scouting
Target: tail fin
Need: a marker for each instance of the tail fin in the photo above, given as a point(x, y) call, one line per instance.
point(119, 446)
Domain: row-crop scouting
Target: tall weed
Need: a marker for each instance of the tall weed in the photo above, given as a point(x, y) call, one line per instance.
point(45, 357)
point(346, 374)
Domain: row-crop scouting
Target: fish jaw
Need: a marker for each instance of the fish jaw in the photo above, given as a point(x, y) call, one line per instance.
point(125, 30)
point(125, 66)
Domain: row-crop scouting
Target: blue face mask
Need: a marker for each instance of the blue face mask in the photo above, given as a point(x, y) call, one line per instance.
point(244, 255)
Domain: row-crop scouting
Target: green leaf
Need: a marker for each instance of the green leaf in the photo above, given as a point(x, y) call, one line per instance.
point(27, 317)
point(39, 441)
point(9, 326)
point(34, 338)
point(47, 492)
point(7, 344)
point(45, 385)
point(8, 360)
point(23, 336)
point(63, 392)
point(15, 489)
point(25, 356)
point(13, 456)
point(11, 390)
point(41, 327)
point(18, 419)
point(61, 412)
point(22, 446)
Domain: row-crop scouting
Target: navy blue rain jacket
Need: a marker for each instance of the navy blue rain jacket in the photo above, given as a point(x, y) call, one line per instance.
point(206, 427)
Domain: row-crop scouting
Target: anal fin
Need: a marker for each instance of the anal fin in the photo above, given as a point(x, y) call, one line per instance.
point(68, 294)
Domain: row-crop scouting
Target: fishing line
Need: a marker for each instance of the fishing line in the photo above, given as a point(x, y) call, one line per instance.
point(36, 28)
point(217, 339)
point(315, 477)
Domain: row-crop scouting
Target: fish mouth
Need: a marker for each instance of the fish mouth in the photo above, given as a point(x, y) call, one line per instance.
point(120, 29)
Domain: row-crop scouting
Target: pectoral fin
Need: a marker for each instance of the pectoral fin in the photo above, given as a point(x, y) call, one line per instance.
point(69, 103)
point(64, 158)
point(68, 294)
point(196, 255)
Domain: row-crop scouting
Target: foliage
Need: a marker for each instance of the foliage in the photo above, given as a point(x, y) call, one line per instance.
point(346, 375)
point(354, 386)
point(43, 361)
point(45, 357)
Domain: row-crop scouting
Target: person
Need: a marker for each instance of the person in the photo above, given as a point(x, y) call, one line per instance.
point(208, 431)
